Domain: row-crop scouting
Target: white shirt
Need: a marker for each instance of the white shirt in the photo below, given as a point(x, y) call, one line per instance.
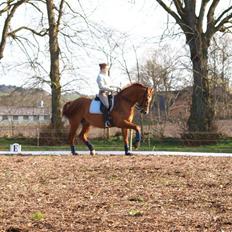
point(104, 82)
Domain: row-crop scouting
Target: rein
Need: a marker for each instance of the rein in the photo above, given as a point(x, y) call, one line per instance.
point(141, 104)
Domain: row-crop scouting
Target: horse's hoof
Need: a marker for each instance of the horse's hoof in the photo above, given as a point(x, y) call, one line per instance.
point(93, 152)
point(75, 153)
point(136, 145)
point(128, 154)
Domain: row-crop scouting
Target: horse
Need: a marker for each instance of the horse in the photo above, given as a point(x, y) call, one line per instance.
point(129, 98)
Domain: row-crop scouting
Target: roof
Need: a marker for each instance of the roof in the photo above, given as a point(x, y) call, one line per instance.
point(8, 110)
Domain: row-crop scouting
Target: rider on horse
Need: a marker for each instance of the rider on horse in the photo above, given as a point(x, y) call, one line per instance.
point(104, 83)
point(77, 112)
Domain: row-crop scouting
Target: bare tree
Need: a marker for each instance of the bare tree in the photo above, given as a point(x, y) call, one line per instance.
point(123, 62)
point(9, 8)
point(220, 70)
point(158, 70)
point(198, 40)
point(163, 70)
point(53, 28)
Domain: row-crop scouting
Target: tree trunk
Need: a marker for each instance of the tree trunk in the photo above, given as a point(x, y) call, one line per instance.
point(56, 120)
point(202, 113)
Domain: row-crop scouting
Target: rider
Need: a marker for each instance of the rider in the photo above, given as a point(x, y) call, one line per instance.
point(104, 83)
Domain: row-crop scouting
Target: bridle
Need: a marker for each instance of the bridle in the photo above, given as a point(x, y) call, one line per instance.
point(140, 106)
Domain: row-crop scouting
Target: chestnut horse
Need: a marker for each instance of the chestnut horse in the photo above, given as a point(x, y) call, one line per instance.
point(77, 112)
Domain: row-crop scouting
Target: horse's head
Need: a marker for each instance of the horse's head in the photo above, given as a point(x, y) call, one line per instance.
point(144, 103)
point(138, 93)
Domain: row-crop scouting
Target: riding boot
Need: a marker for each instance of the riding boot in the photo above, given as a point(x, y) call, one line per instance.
point(106, 117)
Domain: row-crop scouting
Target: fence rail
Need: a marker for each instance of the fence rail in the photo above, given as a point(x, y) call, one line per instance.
point(172, 129)
point(32, 138)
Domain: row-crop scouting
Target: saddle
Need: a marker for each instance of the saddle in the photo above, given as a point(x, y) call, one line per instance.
point(97, 107)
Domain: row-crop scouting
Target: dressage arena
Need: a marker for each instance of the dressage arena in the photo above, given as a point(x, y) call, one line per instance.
point(115, 193)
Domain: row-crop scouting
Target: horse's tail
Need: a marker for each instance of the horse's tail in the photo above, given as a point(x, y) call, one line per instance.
point(67, 109)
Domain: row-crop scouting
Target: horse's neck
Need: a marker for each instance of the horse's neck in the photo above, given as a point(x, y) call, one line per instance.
point(131, 95)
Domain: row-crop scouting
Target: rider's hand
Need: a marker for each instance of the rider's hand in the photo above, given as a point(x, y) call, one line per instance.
point(116, 89)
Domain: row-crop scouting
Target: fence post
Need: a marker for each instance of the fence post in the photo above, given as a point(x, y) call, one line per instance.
point(108, 133)
point(131, 139)
point(38, 135)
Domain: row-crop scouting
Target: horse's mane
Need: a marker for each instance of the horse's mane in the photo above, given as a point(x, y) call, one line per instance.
point(131, 85)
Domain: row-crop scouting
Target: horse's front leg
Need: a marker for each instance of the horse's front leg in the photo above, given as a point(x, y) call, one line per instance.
point(126, 141)
point(129, 125)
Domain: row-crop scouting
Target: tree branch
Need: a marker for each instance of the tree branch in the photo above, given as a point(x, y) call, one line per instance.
point(36, 7)
point(42, 33)
point(179, 7)
point(202, 11)
point(222, 14)
point(7, 25)
point(171, 12)
point(210, 15)
point(190, 6)
point(7, 7)
point(224, 21)
point(60, 13)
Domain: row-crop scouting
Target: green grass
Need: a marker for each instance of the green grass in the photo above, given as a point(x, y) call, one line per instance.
point(37, 216)
point(135, 213)
point(116, 143)
point(175, 144)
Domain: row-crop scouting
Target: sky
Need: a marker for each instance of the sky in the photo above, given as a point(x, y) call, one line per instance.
point(139, 19)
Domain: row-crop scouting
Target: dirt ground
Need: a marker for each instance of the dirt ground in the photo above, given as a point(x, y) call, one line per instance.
point(115, 193)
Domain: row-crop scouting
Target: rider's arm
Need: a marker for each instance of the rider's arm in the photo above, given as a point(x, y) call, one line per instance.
point(101, 84)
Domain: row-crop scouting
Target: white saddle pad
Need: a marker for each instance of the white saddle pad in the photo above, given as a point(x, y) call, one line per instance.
point(95, 107)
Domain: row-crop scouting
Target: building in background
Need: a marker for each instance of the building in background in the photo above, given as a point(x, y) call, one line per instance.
point(24, 115)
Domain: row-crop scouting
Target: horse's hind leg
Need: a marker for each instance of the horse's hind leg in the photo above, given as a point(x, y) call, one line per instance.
point(84, 137)
point(72, 132)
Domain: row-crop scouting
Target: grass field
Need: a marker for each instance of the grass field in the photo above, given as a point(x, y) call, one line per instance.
point(115, 143)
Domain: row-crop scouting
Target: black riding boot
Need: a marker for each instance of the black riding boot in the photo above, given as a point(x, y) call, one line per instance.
point(106, 117)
